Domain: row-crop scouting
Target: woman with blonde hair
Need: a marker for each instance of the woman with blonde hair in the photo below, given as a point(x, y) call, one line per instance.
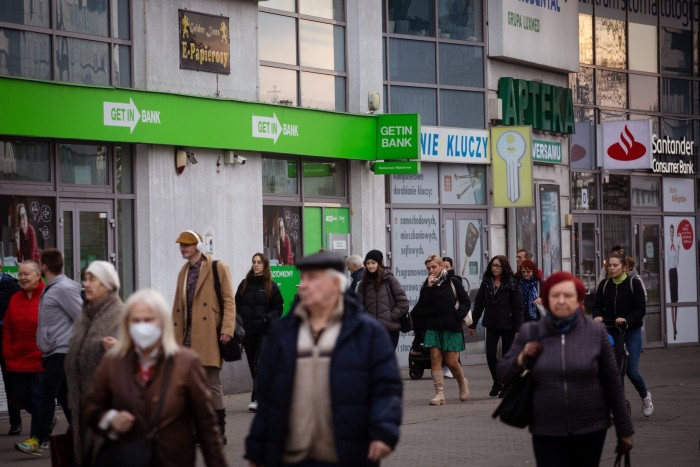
point(148, 389)
point(442, 306)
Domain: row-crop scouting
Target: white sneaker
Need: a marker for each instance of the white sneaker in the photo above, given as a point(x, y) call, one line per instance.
point(447, 373)
point(253, 406)
point(647, 405)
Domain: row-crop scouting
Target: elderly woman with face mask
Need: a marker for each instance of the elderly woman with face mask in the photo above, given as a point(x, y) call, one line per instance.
point(147, 383)
point(92, 334)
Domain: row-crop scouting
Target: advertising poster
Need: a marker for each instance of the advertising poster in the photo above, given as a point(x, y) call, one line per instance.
point(28, 226)
point(463, 184)
point(415, 235)
point(419, 188)
point(679, 194)
point(526, 232)
point(682, 325)
point(511, 161)
point(681, 260)
point(282, 234)
point(551, 229)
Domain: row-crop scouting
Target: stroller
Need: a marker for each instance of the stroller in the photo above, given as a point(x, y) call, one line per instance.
point(620, 350)
point(418, 358)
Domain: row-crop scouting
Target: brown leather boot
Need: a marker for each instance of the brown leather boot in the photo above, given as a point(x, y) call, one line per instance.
point(439, 383)
point(463, 384)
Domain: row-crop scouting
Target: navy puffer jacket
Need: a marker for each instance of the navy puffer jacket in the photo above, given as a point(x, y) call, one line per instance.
point(258, 313)
point(365, 386)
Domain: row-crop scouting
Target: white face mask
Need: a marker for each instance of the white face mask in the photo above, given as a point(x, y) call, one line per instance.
point(144, 335)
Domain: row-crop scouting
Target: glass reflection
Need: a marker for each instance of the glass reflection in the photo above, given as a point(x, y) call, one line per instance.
point(585, 39)
point(642, 39)
point(277, 38)
point(278, 86)
point(676, 51)
point(25, 54)
point(286, 5)
point(462, 109)
point(122, 66)
point(322, 45)
point(459, 19)
point(611, 88)
point(414, 17)
point(85, 17)
point(83, 164)
point(616, 194)
point(583, 114)
point(611, 43)
point(324, 178)
point(122, 19)
point(415, 100)
point(412, 61)
point(80, 61)
point(676, 96)
point(646, 192)
point(322, 91)
point(279, 177)
point(25, 161)
point(582, 87)
point(331, 9)
point(461, 65)
point(580, 181)
point(677, 129)
point(644, 92)
point(27, 12)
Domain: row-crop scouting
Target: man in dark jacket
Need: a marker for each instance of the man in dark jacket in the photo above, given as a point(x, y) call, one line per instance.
point(329, 388)
point(357, 270)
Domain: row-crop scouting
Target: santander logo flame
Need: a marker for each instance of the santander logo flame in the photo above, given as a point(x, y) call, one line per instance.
point(627, 149)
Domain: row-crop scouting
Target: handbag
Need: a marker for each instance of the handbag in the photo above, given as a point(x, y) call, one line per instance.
point(619, 461)
point(516, 407)
point(139, 452)
point(61, 447)
point(406, 323)
point(232, 351)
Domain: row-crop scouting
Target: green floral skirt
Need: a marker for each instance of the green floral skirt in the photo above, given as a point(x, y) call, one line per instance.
point(450, 341)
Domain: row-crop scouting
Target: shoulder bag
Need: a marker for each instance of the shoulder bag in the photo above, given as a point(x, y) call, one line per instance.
point(231, 351)
point(516, 407)
point(467, 320)
point(623, 460)
point(139, 452)
point(405, 321)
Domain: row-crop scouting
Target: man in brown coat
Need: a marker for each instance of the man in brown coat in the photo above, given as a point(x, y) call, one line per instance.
point(197, 316)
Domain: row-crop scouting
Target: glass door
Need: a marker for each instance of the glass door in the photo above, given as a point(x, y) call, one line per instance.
point(647, 254)
point(87, 234)
point(586, 255)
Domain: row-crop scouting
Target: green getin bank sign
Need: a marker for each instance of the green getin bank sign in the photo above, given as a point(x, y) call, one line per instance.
point(62, 110)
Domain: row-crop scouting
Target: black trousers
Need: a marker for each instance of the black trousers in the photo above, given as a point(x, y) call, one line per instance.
point(569, 451)
point(52, 388)
point(394, 336)
point(492, 338)
point(253, 346)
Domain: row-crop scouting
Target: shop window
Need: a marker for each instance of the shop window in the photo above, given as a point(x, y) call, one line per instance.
point(25, 54)
point(415, 100)
point(416, 17)
point(644, 92)
point(81, 61)
point(324, 179)
point(453, 105)
point(461, 65)
point(676, 96)
point(582, 87)
point(280, 177)
point(28, 226)
point(676, 51)
point(282, 234)
point(412, 61)
point(585, 39)
point(83, 164)
point(584, 191)
point(611, 42)
point(462, 184)
point(24, 161)
point(646, 192)
point(617, 230)
point(616, 193)
point(459, 20)
point(327, 228)
point(611, 88)
point(124, 170)
point(526, 236)
point(26, 12)
point(643, 47)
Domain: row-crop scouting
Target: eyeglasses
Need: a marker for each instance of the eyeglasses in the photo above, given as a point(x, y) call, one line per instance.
point(496, 266)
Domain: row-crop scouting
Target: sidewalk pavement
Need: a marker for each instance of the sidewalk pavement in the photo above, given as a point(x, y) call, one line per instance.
point(465, 434)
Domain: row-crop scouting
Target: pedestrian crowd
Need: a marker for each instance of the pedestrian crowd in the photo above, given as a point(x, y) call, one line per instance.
point(139, 382)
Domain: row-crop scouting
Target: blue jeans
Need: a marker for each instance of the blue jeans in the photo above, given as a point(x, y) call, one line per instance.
point(633, 341)
point(26, 388)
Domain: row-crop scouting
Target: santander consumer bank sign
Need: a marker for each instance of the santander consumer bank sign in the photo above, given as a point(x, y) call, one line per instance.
point(627, 144)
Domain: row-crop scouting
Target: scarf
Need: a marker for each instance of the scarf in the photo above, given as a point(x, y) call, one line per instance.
point(530, 294)
point(563, 325)
point(441, 278)
point(620, 279)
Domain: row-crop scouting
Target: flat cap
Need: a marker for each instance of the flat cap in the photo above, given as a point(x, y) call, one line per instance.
point(322, 260)
point(187, 237)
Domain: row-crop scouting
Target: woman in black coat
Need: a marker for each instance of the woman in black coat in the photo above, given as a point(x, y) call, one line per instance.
point(442, 305)
point(500, 301)
point(259, 303)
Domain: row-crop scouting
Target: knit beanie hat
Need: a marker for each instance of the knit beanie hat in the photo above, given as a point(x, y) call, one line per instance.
point(375, 255)
point(106, 274)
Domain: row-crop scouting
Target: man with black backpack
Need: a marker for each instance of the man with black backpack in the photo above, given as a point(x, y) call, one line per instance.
point(198, 318)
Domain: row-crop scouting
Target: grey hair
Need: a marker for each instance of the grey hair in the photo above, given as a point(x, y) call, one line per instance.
point(355, 260)
point(342, 279)
point(35, 266)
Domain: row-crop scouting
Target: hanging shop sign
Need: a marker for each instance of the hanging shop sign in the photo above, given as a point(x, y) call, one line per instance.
point(546, 151)
point(454, 145)
point(545, 107)
point(582, 153)
point(396, 167)
point(204, 42)
point(512, 166)
point(521, 31)
point(132, 116)
point(672, 156)
point(627, 144)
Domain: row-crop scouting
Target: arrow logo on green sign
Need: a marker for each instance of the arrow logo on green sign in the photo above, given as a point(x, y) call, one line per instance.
point(118, 114)
point(271, 128)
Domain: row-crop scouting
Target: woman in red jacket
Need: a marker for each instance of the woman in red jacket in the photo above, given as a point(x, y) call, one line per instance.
point(22, 356)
